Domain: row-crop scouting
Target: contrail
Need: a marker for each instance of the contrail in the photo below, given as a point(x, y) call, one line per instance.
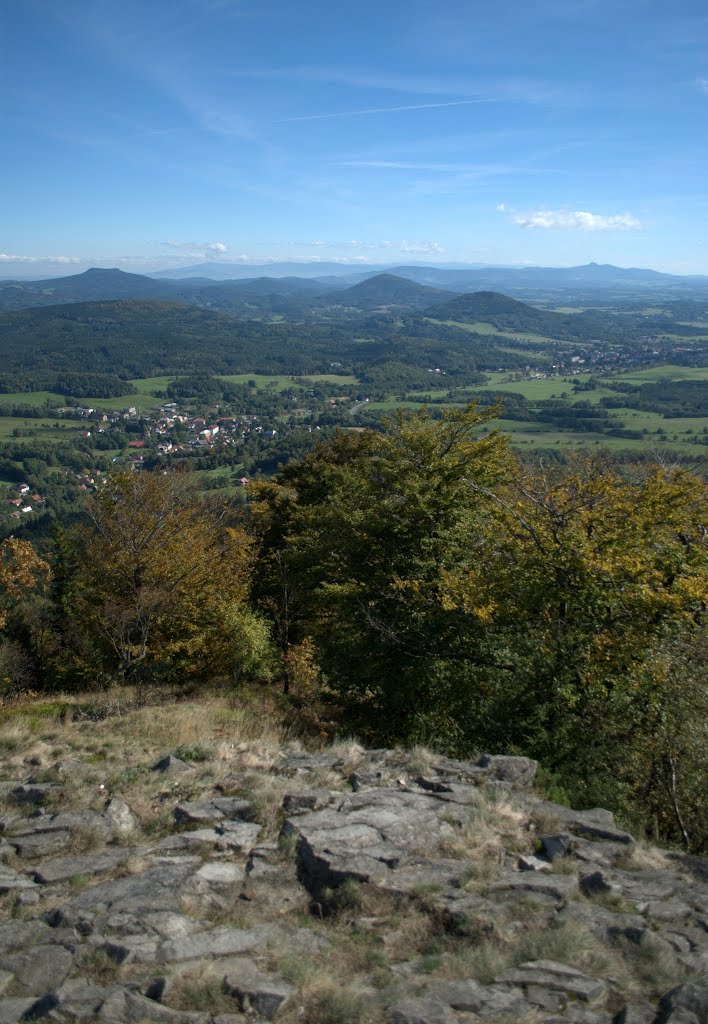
point(382, 110)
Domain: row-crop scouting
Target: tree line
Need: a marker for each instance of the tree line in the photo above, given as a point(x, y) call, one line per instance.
point(414, 584)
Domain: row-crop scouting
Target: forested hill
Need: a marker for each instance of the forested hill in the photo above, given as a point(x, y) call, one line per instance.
point(136, 339)
point(150, 338)
point(511, 315)
point(387, 289)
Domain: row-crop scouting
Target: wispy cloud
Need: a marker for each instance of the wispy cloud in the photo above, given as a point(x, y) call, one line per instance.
point(382, 110)
point(579, 220)
point(504, 88)
point(404, 245)
point(6, 257)
point(702, 83)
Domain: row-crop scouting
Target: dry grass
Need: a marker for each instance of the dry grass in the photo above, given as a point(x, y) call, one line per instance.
point(322, 1000)
point(200, 990)
point(644, 857)
point(496, 827)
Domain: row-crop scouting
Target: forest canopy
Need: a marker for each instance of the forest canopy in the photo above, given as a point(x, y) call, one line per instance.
point(419, 584)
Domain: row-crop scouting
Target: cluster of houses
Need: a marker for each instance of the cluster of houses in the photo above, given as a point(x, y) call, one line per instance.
point(25, 502)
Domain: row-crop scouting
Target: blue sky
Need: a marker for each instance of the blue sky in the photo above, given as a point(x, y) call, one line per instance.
point(152, 133)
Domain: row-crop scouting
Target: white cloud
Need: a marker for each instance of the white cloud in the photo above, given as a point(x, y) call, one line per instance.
point(702, 83)
point(421, 248)
point(11, 258)
point(578, 220)
point(198, 248)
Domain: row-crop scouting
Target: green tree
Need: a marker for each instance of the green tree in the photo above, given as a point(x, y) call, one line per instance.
point(368, 526)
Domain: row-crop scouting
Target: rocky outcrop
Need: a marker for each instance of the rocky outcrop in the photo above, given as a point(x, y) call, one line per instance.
point(387, 891)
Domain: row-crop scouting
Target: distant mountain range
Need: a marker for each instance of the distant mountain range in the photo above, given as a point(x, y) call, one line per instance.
point(339, 290)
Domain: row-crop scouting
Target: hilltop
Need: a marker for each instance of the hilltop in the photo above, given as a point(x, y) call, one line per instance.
point(189, 863)
point(389, 290)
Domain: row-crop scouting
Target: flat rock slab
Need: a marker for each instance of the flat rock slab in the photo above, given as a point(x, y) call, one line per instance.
point(14, 1010)
point(13, 881)
point(596, 823)
point(484, 1000)
point(39, 970)
point(539, 976)
point(66, 821)
point(217, 942)
point(156, 889)
point(125, 1007)
point(34, 845)
point(420, 1011)
point(199, 812)
point(369, 834)
point(221, 873)
point(65, 868)
point(685, 1004)
point(544, 887)
point(256, 992)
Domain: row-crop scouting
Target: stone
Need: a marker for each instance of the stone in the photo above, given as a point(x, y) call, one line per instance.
point(484, 1000)
point(217, 942)
point(119, 816)
point(198, 812)
point(238, 836)
point(40, 844)
point(637, 1013)
point(544, 887)
point(257, 992)
point(596, 884)
point(13, 881)
point(172, 765)
point(540, 977)
point(306, 800)
point(685, 1004)
point(65, 868)
point(596, 823)
point(156, 889)
point(220, 873)
point(520, 771)
point(16, 1009)
point(35, 793)
point(526, 862)
point(39, 970)
point(79, 998)
point(557, 846)
point(420, 1011)
point(126, 1007)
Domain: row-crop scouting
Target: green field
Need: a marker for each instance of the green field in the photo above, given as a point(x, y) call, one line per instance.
point(31, 398)
point(282, 382)
point(675, 431)
point(481, 327)
point(46, 429)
